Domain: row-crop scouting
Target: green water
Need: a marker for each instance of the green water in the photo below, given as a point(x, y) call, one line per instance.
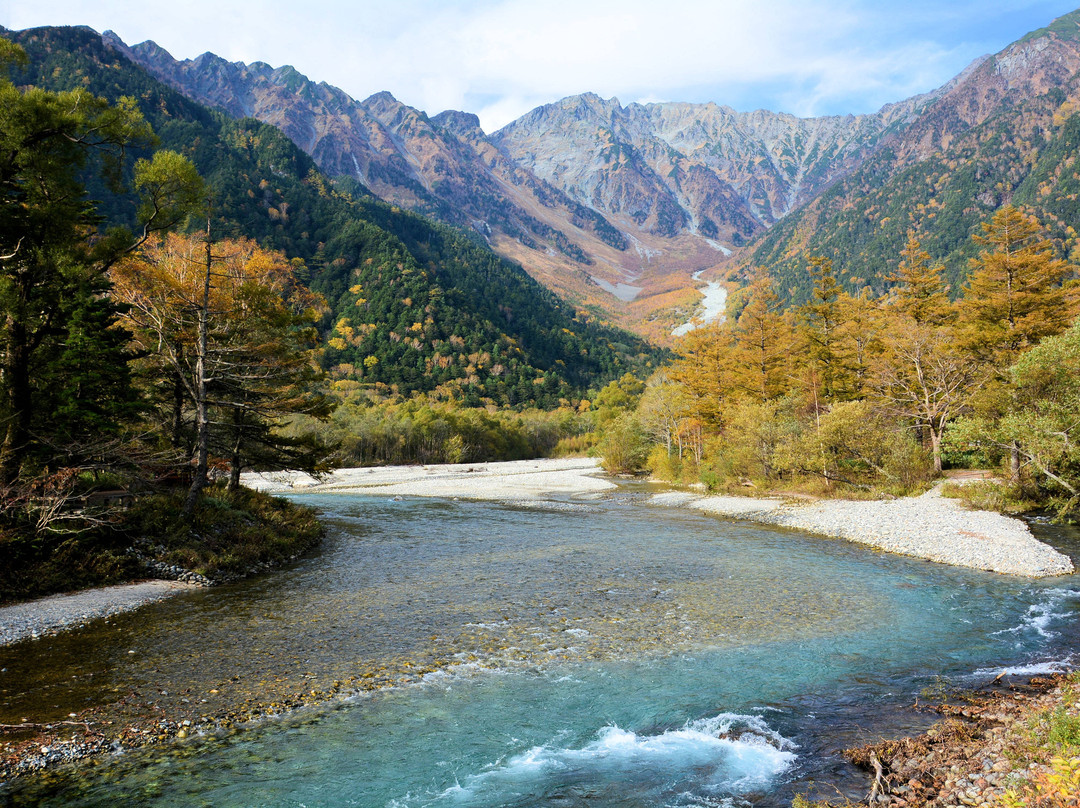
point(600, 653)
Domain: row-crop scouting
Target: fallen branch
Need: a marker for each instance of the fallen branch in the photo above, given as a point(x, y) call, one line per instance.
point(32, 725)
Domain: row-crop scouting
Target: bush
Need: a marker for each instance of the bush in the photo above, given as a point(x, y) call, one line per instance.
point(663, 465)
point(230, 536)
point(622, 448)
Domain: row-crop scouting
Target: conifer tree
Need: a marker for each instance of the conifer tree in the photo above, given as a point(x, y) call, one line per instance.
point(859, 338)
point(229, 324)
point(706, 368)
point(920, 291)
point(52, 268)
point(762, 342)
point(820, 321)
point(1014, 296)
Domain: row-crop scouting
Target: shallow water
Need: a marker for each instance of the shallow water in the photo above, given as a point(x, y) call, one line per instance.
point(588, 653)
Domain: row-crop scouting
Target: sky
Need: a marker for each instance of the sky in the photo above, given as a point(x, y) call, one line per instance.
point(502, 58)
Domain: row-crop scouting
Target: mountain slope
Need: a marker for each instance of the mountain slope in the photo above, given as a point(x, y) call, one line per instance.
point(1004, 131)
point(616, 206)
point(416, 305)
point(589, 196)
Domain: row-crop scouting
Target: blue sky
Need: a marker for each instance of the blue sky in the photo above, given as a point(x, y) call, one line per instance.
point(501, 58)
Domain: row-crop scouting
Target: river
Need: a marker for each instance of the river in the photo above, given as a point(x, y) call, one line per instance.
point(710, 308)
point(588, 652)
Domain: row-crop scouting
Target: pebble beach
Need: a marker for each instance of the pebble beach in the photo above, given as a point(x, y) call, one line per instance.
point(930, 527)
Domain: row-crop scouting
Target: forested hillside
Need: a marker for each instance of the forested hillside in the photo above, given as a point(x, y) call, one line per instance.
point(1006, 133)
point(414, 305)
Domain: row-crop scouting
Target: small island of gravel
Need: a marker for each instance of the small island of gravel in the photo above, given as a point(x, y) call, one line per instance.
point(929, 527)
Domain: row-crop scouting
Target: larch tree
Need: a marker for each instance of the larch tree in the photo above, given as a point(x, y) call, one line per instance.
point(921, 375)
point(231, 326)
point(762, 342)
point(920, 291)
point(1013, 299)
point(820, 320)
point(859, 338)
point(706, 368)
point(1014, 296)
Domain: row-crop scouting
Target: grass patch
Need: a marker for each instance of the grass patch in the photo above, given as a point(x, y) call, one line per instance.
point(230, 536)
point(988, 495)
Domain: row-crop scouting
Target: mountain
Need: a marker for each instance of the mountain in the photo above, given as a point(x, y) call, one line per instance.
point(615, 206)
point(415, 305)
point(1004, 131)
point(601, 202)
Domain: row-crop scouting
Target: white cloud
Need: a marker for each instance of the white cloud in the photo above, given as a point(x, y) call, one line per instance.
point(804, 56)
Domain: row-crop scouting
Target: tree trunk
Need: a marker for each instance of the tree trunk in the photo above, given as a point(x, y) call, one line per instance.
point(17, 432)
point(236, 463)
point(1014, 462)
point(202, 415)
point(935, 444)
point(178, 411)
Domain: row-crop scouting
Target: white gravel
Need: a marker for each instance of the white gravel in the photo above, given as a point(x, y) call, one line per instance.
point(37, 618)
point(929, 527)
point(510, 480)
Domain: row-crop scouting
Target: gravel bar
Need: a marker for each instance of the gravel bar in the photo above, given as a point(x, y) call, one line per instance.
point(49, 615)
point(929, 527)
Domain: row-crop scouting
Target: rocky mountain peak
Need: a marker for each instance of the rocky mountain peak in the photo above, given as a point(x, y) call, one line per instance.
point(463, 124)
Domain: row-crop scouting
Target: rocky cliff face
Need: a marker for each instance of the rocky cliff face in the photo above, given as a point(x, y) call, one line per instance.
point(697, 168)
point(662, 169)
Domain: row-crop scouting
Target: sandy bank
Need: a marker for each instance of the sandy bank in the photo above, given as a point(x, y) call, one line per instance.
point(58, 612)
point(929, 527)
point(512, 480)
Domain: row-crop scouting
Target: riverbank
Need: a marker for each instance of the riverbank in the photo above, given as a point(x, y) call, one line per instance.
point(39, 618)
point(995, 747)
point(146, 713)
point(498, 481)
point(930, 527)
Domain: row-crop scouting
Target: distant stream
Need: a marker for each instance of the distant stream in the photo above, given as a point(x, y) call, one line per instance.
point(710, 309)
point(590, 652)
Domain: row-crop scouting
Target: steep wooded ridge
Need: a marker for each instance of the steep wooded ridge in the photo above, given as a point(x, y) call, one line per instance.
point(588, 193)
point(414, 304)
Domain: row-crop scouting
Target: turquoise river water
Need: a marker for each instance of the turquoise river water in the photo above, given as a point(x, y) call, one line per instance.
point(584, 653)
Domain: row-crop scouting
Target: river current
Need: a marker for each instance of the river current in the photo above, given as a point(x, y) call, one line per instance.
point(596, 652)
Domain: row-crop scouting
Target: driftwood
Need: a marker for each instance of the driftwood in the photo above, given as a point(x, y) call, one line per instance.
point(32, 725)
